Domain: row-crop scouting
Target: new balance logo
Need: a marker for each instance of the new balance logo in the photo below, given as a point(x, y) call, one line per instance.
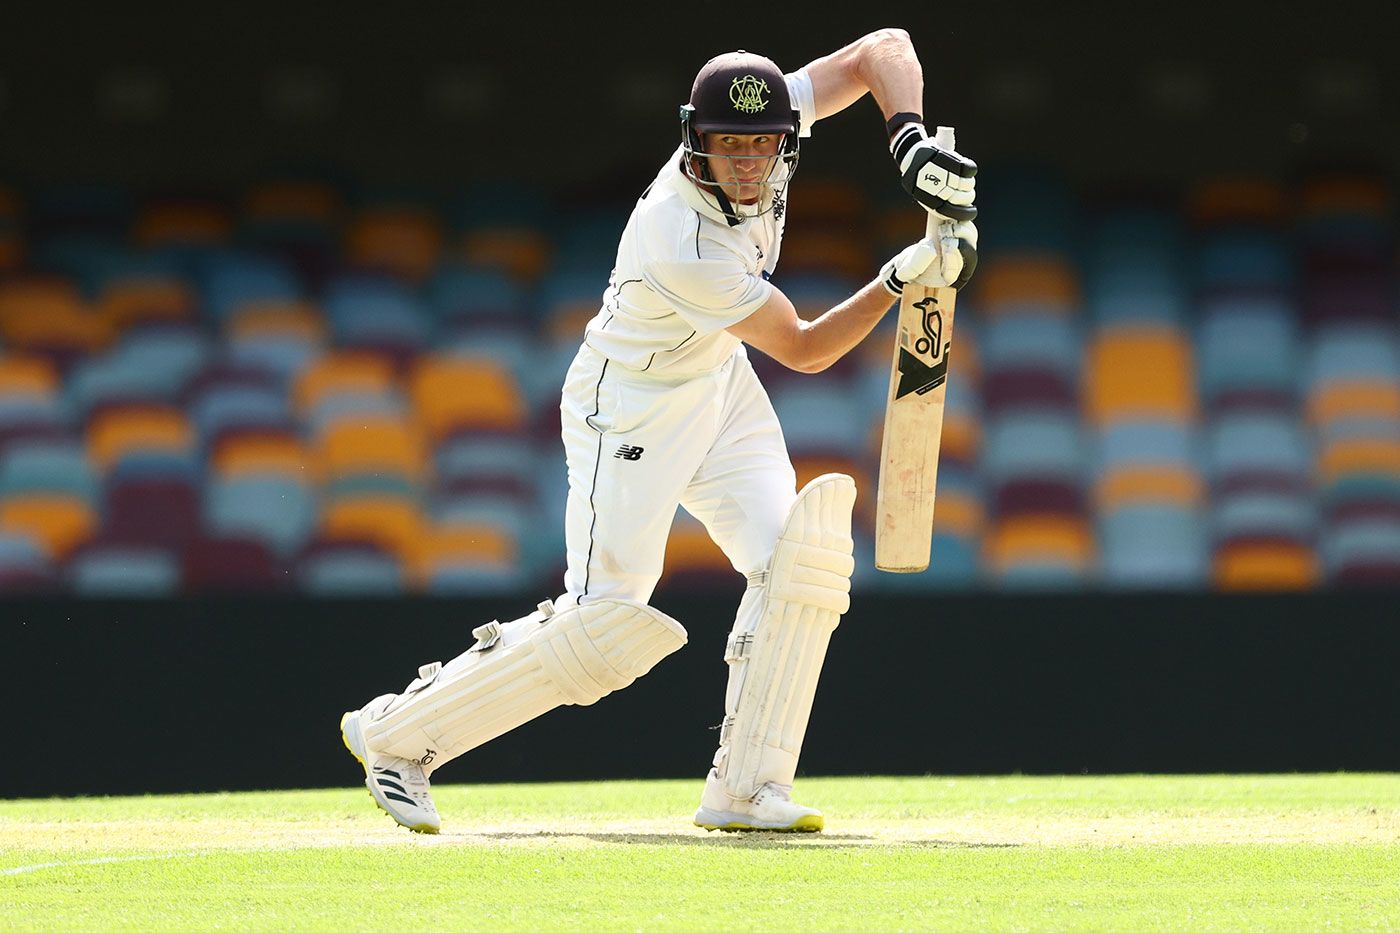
point(626, 452)
point(428, 757)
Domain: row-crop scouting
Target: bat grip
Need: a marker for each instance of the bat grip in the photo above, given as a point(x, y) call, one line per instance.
point(943, 138)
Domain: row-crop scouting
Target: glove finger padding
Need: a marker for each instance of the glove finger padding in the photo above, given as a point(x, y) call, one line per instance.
point(940, 180)
point(966, 237)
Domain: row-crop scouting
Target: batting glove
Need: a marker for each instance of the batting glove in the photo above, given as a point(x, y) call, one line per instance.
point(950, 258)
point(942, 181)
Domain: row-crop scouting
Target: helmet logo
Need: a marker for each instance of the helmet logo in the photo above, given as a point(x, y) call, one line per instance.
point(747, 94)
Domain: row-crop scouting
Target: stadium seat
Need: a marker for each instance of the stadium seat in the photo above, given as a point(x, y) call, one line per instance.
point(182, 222)
point(393, 523)
point(1030, 285)
point(51, 466)
point(372, 445)
point(375, 315)
point(404, 241)
point(1265, 565)
point(103, 569)
point(162, 511)
point(276, 509)
point(522, 252)
point(1248, 354)
point(349, 569)
point(1137, 373)
point(117, 432)
point(1039, 551)
point(223, 564)
point(58, 521)
point(231, 280)
point(339, 373)
point(453, 394)
point(460, 292)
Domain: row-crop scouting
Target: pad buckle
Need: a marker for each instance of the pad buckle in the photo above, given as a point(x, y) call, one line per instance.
point(486, 635)
point(739, 646)
point(426, 675)
point(725, 728)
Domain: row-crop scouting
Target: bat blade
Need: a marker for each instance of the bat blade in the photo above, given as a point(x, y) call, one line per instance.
point(913, 430)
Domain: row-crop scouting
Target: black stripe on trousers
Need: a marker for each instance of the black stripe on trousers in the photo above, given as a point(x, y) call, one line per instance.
point(597, 462)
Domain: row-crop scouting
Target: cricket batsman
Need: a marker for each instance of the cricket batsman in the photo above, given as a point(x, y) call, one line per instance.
point(661, 407)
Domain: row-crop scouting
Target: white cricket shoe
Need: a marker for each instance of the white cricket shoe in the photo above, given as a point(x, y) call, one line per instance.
point(398, 785)
point(770, 810)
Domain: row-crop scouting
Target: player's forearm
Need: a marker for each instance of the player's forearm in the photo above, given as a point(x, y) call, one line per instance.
point(841, 329)
point(890, 68)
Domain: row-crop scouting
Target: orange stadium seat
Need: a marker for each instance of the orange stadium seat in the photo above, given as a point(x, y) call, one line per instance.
point(1238, 200)
point(263, 453)
point(1045, 282)
point(1139, 373)
point(1369, 455)
point(832, 201)
point(297, 319)
point(27, 376)
point(465, 544)
point(1036, 539)
point(59, 522)
point(519, 251)
point(828, 251)
point(342, 372)
point(958, 514)
point(372, 445)
point(44, 314)
point(182, 222)
point(1378, 398)
point(1265, 566)
point(300, 202)
point(1137, 485)
point(452, 394)
point(404, 241)
point(124, 303)
point(962, 436)
point(1343, 194)
point(114, 433)
point(391, 522)
point(692, 556)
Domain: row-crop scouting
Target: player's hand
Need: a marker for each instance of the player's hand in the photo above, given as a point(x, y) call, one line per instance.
point(942, 181)
point(949, 258)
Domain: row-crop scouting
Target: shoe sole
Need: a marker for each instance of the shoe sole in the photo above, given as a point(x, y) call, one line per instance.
point(710, 821)
point(425, 828)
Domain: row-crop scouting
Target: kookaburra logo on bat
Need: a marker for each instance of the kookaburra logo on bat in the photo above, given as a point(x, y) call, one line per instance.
point(914, 374)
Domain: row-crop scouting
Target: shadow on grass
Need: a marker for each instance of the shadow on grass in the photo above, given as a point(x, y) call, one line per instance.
point(760, 840)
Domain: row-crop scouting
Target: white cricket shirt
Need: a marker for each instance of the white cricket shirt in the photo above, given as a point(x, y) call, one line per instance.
point(683, 273)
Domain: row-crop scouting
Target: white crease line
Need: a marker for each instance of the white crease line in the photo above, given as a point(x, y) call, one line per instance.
point(113, 859)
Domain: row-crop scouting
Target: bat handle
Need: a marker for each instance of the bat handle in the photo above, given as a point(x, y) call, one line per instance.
point(943, 138)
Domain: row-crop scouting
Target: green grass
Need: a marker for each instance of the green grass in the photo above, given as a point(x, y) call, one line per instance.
point(1240, 852)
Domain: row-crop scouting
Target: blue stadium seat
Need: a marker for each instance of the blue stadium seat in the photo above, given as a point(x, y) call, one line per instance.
point(233, 279)
point(364, 311)
point(1034, 443)
point(1245, 259)
point(47, 466)
point(1152, 547)
point(1360, 542)
point(124, 570)
point(459, 292)
point(1253, 443)
point(1352, 351)
point(1263, 513)
point(820, 416)
point(1248, 343)
point(277, 510)
point(1018, 341)
point(227, 406)
point(351, 574)
point(1148, 443)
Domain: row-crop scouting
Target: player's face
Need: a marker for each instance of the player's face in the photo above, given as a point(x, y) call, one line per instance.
point(741, 164)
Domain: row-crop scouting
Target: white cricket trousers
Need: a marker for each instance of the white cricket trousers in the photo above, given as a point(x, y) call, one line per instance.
point(639, 444)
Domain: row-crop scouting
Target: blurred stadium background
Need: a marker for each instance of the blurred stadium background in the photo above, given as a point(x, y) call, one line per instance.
point(286, 302)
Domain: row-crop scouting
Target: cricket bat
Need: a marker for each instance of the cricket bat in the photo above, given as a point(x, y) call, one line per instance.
point(914, 420)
